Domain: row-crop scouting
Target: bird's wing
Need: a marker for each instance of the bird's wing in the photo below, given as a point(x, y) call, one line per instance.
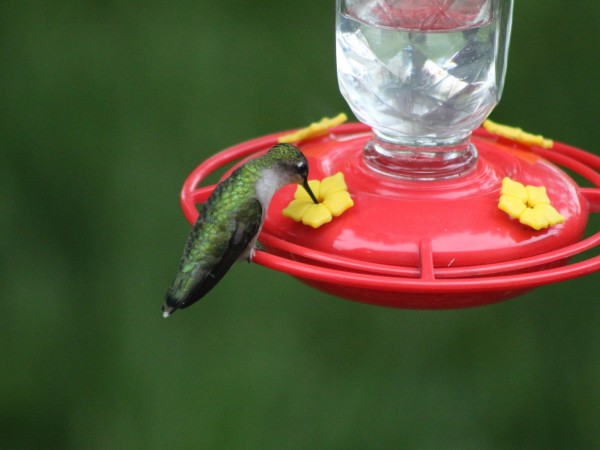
point(247, 224)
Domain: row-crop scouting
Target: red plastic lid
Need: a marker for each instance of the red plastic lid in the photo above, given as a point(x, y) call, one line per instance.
point(425, 244)
point(458, 218)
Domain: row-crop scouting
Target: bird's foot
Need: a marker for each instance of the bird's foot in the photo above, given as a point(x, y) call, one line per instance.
point(257, 246)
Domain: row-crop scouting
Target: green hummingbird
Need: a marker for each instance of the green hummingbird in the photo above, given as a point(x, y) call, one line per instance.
point(230, 221)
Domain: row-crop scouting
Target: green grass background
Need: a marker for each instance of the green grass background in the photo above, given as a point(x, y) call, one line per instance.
point(105, 107)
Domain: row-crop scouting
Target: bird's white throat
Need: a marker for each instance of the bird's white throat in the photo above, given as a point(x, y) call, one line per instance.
point(267, 185)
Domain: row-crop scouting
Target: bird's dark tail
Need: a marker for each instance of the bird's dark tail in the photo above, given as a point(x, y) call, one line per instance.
point(167, 309)
point(179, 298)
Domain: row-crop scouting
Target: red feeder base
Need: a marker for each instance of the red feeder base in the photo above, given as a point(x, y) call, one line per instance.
point(425, 244)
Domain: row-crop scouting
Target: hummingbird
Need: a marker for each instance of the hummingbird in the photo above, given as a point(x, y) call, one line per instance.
point(230, 221)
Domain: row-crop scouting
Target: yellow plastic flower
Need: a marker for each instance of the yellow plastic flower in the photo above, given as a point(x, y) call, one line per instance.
point(529, 204)
point(517, 134)
point(314, 130)
point(332, 194)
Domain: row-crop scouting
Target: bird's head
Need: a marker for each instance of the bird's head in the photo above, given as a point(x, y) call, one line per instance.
point(292, 164)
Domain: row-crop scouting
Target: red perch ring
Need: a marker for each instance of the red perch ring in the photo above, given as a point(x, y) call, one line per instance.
point(424, 244)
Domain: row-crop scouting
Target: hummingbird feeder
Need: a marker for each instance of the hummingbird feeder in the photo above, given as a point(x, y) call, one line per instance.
point(426, 230)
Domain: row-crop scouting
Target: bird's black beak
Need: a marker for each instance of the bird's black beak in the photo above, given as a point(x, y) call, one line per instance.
point(310, 192)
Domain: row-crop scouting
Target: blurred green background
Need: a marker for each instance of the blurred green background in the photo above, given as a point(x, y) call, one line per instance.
point(105, 107)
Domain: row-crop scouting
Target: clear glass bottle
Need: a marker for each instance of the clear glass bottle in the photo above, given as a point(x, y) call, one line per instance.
point(423, 74)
